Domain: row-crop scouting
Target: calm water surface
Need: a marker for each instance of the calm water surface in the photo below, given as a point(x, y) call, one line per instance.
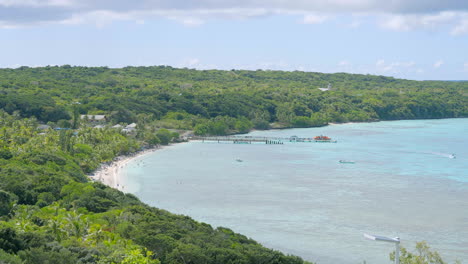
point(299, 199)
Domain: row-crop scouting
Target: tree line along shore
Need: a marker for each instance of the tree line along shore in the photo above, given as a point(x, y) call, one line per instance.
point(58, 124)
point(222, 102)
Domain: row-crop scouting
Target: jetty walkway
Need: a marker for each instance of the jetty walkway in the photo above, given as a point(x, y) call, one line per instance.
point(250, 139)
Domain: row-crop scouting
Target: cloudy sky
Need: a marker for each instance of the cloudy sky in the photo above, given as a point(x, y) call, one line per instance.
point(413, 39)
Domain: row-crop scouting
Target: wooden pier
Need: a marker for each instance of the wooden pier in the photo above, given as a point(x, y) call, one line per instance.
point(265, 140)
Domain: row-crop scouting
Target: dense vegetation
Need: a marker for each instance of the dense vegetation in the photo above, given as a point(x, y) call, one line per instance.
point(51, 213)
point(422, 255)
point(221, 102)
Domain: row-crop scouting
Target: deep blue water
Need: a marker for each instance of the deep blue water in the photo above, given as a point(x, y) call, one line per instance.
point(299, 199)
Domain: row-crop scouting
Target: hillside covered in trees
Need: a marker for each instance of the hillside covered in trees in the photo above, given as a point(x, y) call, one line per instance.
point(51, 213)
point(221, 102)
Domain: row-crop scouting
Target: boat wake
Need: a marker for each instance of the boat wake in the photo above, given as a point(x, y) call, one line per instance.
point(446, 155)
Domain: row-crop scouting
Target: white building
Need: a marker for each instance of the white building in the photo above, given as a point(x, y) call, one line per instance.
point(326, 89)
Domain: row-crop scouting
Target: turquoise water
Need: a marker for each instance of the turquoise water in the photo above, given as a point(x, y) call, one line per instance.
point(299, 199)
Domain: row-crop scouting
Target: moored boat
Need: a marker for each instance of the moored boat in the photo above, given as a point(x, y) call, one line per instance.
point(347, 161)
point(322, 138)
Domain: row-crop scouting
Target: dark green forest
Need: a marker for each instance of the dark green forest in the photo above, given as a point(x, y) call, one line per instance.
point(50, 212)
point(223, 102)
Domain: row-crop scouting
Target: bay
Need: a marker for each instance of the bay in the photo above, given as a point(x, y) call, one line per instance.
point(297, 197)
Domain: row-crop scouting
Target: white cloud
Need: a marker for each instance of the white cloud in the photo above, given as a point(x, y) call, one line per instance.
point(195, 63)
point(354, 24)
point(380, 63)
point(188, 21)
point(192, 62)
point(438, 63)
point(12, 66)
point(344, 63)
point(455, 21)
point(394, 67)
point(461, 28)
point(398, 15)
point(408, 64)
point(35, 3)
point(100, 18)
point(407, 22)
point(192, 18)
point(314, 19)
point(397, 23)
point(275, 65)
point(339, 6)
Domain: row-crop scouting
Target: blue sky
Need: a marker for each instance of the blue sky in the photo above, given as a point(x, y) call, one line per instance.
point(412, 39)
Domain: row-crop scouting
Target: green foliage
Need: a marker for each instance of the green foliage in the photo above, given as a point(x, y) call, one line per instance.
point(5, 153)
point(302, 121)
point(138, 257)
point(123, 116)
point(6, 258)
point(49, 211)
point(153, 140)
point(423, 255)
point(260, 124)
point(7, 201)
point(44, 255)
point(165, 136)
point(183, 98)
point(10, 242)
point(187, 253)
point(223, 125)
point(243, 125)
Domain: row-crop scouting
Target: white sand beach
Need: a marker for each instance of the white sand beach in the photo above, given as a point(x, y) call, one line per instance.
point(109, 174)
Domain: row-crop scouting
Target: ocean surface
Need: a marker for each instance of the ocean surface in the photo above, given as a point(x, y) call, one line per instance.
point(297, 197)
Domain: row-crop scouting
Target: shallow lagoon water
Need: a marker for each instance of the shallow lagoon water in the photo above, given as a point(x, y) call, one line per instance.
point(299, 199)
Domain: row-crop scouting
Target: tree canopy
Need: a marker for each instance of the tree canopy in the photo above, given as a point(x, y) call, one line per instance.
point(51, 213)
point(184, 98)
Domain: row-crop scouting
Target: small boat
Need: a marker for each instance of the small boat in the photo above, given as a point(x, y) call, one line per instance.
point(239, 160)
point(347, 161)
point(452, 156)
point(322, 138)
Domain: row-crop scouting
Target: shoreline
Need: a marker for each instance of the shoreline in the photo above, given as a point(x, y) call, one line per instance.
point(109, 172)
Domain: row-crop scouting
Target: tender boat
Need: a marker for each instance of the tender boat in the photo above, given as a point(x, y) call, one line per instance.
point(322, 138)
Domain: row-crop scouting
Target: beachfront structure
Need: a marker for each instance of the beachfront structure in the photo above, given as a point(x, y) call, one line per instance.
point(130, 128)
point(326, 89)
point(94, 118)
point(43, 127)
point(132, 125)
